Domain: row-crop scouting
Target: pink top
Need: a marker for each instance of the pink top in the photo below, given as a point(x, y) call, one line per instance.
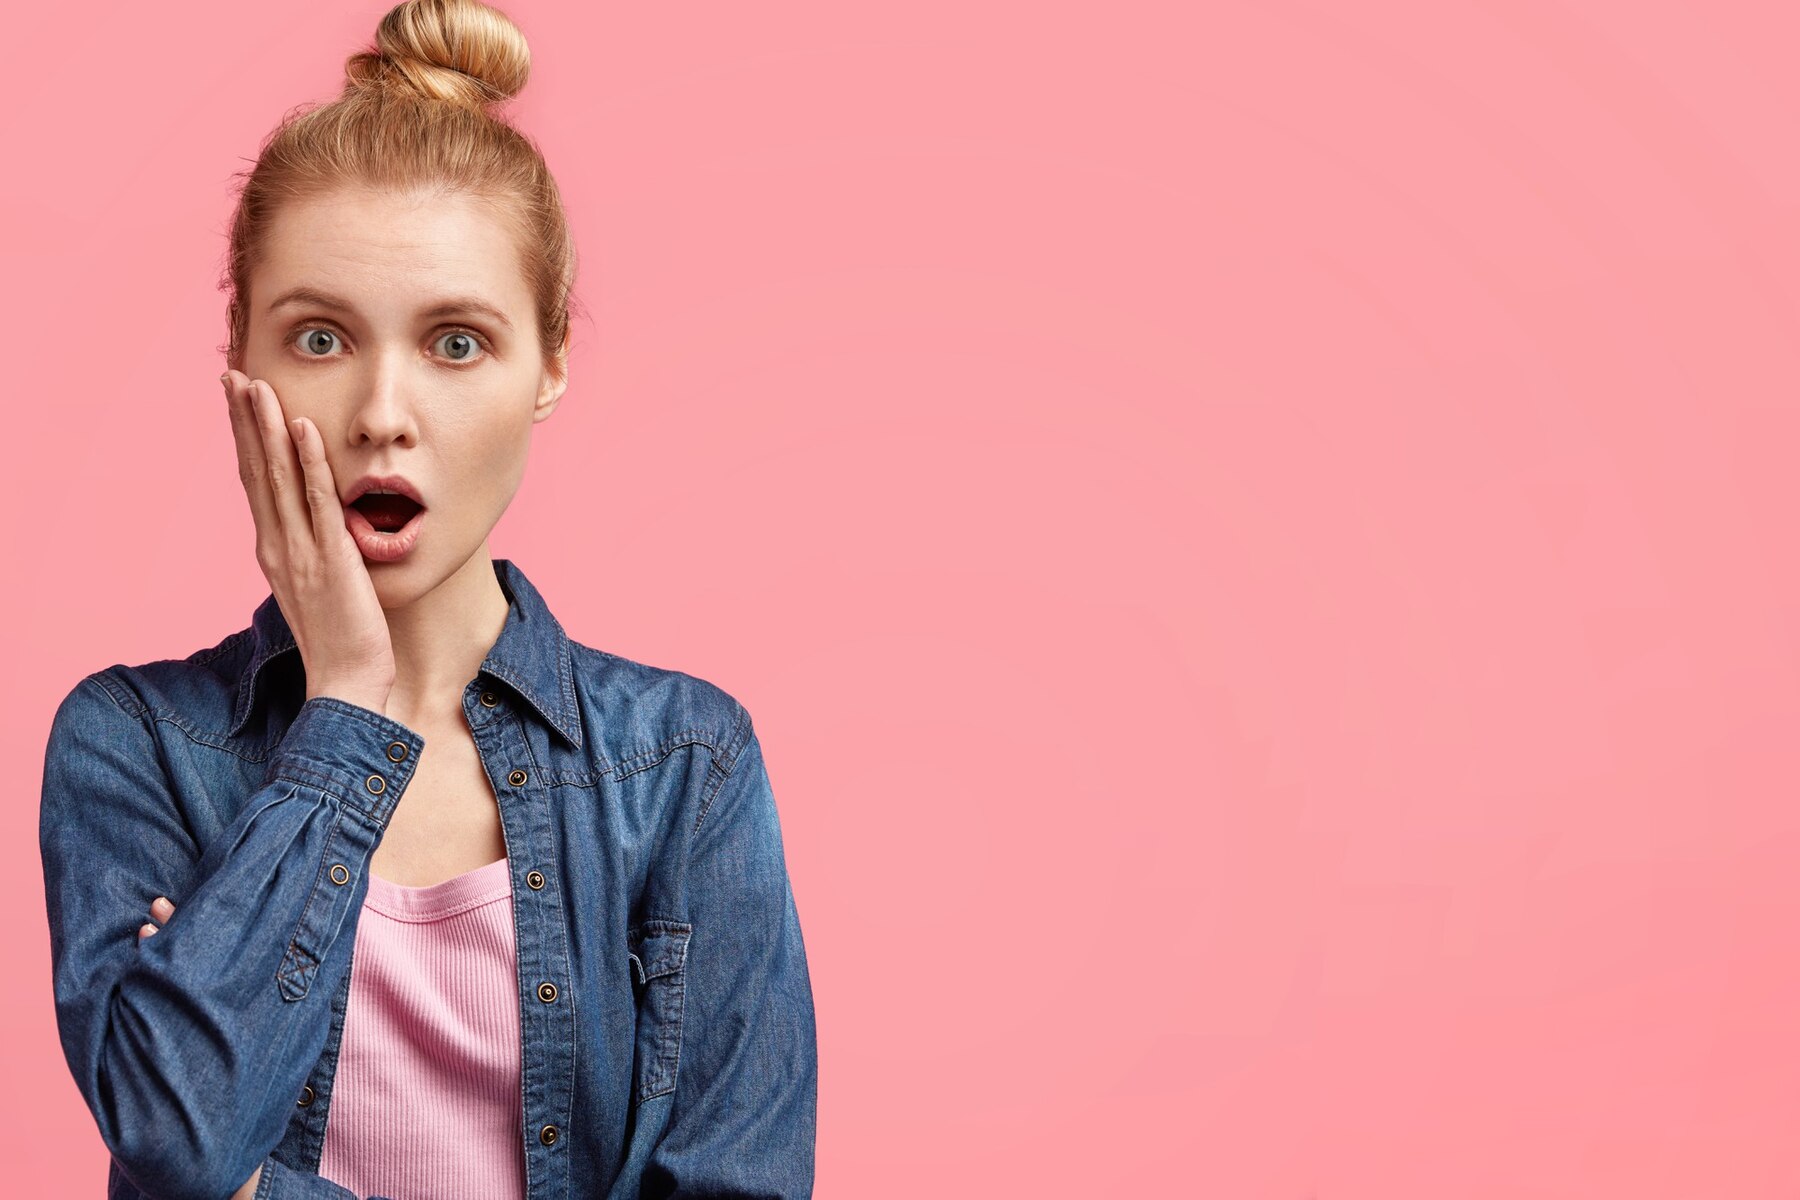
point(426, 1102)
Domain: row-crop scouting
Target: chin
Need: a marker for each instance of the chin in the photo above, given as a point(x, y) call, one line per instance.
point(399, 583)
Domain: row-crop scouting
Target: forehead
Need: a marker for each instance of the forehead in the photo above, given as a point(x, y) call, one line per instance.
point(382, 249)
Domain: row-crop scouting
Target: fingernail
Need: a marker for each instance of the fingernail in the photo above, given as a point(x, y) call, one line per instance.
point(160, 906)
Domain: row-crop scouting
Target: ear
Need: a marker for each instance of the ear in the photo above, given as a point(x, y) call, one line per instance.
point(550, 390)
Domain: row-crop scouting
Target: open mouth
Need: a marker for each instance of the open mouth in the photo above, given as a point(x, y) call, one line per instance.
point(387, 513)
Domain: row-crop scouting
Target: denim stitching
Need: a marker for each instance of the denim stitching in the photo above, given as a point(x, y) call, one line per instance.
point(312, 898)
point(741, 732)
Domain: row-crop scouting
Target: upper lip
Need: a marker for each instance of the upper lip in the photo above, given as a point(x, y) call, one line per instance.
point(385, 483)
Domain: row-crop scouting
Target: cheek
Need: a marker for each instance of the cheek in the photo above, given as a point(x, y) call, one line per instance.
point(489, 464)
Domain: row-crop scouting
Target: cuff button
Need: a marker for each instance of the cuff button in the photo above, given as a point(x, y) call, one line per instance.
point(396, 751)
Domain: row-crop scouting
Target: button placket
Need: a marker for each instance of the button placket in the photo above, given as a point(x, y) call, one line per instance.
point(541, 953)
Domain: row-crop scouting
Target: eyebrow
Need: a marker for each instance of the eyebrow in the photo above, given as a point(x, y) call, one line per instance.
point(450, 306)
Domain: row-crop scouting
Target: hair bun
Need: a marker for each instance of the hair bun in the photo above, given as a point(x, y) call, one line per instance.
point(460, 51)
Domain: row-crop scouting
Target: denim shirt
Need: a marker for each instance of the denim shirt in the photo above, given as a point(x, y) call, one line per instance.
point(665, 1007)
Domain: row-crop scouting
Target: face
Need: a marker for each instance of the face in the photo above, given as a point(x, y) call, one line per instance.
point(446, 399)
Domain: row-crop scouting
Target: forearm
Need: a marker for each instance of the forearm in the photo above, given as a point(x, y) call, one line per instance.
point(220, 1016)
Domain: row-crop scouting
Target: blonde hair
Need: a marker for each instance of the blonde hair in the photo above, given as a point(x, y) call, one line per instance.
point(416, 115)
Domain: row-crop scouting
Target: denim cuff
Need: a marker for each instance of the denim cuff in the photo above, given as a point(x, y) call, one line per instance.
point(281, 1182)
point(361, 757)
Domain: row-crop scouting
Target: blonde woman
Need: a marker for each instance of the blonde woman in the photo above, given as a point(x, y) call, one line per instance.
point(400, 891)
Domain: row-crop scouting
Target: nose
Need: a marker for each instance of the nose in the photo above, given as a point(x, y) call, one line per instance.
point(384, 412)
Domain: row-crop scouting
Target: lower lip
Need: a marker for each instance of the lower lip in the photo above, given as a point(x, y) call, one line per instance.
point(377, 546)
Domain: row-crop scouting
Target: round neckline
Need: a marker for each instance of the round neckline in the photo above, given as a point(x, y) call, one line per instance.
point(445, 898)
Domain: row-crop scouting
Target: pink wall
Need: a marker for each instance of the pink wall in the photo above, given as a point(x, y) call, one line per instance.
point(1269, 529)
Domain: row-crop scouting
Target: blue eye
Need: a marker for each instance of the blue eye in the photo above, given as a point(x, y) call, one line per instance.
point(463, 345)
point(454, 345)
point(314, 339)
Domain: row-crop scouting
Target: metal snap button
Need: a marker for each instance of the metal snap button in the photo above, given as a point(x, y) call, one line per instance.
point(376, 784)
point(517, 778)
point(396, 751)
point(339, 873)
point(547, 1135)
point(306, 1096)
point(547, 993)
point(489, 699)
point(535, 880)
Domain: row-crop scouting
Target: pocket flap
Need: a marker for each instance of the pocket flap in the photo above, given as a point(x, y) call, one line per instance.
point(658, 947)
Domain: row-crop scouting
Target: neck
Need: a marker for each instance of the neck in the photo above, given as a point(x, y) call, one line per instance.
point(440, 640)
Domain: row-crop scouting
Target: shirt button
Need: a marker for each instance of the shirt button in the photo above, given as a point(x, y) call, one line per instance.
point(547, 1135)
point(306, 1096)
point(396, 751)
point(535, 881)
point(340, 874)
point(547, 993)
point(376, 784)
point(517, 778)
point(488, 699)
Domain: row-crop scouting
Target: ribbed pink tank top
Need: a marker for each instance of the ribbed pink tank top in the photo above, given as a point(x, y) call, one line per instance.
point(425, 1104)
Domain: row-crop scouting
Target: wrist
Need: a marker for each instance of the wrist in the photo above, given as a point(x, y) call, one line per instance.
point(362, 695)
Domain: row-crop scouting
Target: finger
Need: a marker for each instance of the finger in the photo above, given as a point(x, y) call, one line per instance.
point(145, 930)
point(321, 489)
point(284, 467)
point(161, 909)
point(252, 472)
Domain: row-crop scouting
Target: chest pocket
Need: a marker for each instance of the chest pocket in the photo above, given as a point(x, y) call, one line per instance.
point(658, 954)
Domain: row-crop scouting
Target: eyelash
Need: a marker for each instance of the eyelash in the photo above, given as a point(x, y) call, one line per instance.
point(300, 331)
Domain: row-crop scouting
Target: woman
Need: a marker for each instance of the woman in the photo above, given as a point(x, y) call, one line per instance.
point(559, 873)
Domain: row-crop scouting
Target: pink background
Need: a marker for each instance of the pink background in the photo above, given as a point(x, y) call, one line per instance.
point(1259, 539)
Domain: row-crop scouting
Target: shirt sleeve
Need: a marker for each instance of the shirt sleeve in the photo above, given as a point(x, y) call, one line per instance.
point(281, 1182)
point(744, 1108)
point(190, 1046)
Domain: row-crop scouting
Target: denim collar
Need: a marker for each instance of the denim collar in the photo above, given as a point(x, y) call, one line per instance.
point(532, 655)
